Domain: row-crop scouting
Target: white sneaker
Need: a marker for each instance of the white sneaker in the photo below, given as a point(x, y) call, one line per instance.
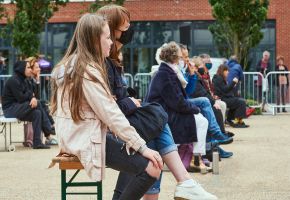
point(192, 192)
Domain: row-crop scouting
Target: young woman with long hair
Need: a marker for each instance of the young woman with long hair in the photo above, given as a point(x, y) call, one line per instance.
point(85, 110)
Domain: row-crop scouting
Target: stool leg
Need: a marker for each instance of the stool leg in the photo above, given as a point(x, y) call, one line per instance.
point(5, 136)
point(100, 191)
point(63, 184)
point(10, 133)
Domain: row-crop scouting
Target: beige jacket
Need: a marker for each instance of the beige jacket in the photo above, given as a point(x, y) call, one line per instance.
point(86, 139)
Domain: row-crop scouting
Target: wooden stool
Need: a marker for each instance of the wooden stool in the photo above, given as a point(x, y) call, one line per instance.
point(69, 162)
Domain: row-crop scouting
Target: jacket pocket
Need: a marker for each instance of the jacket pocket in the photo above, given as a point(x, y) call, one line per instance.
point(96, 144)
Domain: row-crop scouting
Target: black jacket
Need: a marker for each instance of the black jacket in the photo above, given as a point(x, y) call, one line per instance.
point(16, 89)
point(166, 89)
point(34, 86)
point(221, 88)
point(261, 70)
point(119, 89)
point(200, 91)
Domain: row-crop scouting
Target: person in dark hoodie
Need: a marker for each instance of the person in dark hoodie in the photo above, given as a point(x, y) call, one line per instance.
point(19, 102)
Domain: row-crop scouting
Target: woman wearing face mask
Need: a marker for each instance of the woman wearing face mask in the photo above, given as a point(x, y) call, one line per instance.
point(214, 116)
point(205, 66)
point(121, 34)
point(85, 110)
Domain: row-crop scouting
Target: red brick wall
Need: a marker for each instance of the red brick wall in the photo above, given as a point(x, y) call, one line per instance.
point(169, 9)
point(156, 10)
point(280, 12)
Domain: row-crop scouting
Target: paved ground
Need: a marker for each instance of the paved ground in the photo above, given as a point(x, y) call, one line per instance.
point(259, 170)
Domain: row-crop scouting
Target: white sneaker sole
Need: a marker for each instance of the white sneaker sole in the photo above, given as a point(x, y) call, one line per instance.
point(181, 198)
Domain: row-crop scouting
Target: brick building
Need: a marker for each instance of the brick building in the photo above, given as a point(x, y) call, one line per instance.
point(159, 21)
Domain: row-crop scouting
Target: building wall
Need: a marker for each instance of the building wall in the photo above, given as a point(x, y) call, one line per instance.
point(159, 10)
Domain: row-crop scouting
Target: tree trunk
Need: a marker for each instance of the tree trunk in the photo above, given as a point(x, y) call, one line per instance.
point(236, 45)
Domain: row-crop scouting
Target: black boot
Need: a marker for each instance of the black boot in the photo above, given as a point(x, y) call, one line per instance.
point(137, 187)
point(196, 160)
point(284, 110)
point(208, 154)
point(278, 110)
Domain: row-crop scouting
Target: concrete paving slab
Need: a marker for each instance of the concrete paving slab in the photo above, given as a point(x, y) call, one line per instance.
point(259, 169)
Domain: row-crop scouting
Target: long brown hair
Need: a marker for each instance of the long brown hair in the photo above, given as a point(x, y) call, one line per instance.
point(116, 16)
point(221, 70)
point(85, 49)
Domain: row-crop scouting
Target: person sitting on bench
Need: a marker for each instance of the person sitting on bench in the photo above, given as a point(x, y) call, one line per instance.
point(19, 102)
point(34, 83)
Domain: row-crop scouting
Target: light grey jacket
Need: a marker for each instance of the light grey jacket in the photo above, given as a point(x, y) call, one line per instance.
point(86, 139)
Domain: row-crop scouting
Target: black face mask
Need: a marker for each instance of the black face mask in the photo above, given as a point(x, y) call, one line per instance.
point(201, 71)
point(126, 36)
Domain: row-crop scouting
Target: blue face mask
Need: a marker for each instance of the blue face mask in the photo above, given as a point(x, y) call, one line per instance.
point(208, 65)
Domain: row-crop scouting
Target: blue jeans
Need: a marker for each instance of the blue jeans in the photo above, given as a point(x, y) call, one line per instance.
point(164, 144)
point(206, 110)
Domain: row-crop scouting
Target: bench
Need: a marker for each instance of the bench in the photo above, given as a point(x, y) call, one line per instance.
point(71, 162)
point(3, 122)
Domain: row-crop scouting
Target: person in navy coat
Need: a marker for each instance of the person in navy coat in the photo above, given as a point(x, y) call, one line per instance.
point(166, 89)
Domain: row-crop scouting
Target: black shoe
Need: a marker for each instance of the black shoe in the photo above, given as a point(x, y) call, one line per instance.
point(284, 110)
point(240, 125)
point(41, 146)
point(208, 156)
point(230, 134)
point(278, 110)
point(229, 122)
point(52, 131)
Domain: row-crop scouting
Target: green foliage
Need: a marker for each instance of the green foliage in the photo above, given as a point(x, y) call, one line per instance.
point(2, 10)
point(99, 3)
point(29, 22)
point(238, 26)
point(251, 102)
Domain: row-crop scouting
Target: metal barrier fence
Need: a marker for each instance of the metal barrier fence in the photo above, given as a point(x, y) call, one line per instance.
point(141, 84)
point(255, 88)
point(251, 88)
point(277, 90)
point(129, 79)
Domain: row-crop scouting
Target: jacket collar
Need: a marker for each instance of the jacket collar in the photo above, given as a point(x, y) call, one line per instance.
point(165, 67)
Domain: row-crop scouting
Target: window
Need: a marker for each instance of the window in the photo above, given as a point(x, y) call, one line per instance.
point(203, 37)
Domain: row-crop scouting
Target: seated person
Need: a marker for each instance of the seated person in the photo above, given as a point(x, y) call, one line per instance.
point(185, 122)
point(236, 105)
point(196, 88)
point(19, 102)
point(206, 64)
point(203, 103)
point(34, 82)
point(209, 108)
